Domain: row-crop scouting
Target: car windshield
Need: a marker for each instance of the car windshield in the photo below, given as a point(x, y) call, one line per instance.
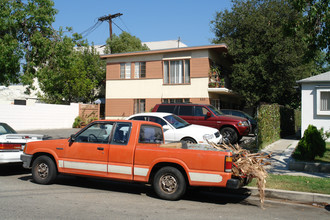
point(6, 129)
point(248, 116)
point(215, 111)
point(176, 121)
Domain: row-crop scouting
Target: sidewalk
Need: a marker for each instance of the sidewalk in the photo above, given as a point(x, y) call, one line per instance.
point(281, 151)
point(281, 155)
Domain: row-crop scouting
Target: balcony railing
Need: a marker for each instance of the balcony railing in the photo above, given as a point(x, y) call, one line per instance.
point(217, 84)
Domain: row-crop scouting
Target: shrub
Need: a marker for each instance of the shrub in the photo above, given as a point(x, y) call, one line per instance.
point(77, 122)
point(311, 145)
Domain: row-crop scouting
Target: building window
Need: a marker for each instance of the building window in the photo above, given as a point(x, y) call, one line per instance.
point(177, 71)
point(125, 70)
point(166, 101)
point(323, 101)
point(19, 102)
point(140, 70)
point(215, 103)
point(139, 105)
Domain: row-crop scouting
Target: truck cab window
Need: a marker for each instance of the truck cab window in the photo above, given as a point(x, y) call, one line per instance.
point(97, 133)
point(150, 134)
point(121, 134)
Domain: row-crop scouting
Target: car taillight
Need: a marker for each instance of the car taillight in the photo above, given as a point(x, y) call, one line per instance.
point(228, 164)
point(9, 146)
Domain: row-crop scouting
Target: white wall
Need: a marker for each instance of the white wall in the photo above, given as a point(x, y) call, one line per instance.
point(309, 109)
point(39, 116)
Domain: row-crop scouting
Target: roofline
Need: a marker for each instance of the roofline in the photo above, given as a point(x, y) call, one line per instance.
point(150, 52)
point(314, 81)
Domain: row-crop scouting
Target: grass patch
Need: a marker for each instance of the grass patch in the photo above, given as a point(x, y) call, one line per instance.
point(297, 183)
point(326, 156)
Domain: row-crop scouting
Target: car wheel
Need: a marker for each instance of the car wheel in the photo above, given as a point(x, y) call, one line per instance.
point(189, 140)
point(44, 170)
point(255, 131)
point(169, 183)
point(229, 135)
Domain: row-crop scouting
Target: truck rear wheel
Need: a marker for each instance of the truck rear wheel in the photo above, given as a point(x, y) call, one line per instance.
point(169, 183)
point(44, 170)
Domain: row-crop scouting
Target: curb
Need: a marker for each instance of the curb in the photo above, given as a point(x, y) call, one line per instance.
point(304, 197)
point(308, 166)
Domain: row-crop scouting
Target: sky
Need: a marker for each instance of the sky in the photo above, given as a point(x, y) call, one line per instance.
point(149, 20)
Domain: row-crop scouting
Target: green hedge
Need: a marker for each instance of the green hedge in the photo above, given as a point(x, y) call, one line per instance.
point(268, 124)
point(274, 122)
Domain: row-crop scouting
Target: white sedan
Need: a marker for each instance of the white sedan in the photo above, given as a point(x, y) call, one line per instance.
point(176, 129)
point(12, 144)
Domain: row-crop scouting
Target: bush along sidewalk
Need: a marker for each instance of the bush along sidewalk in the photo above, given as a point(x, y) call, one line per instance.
point(310, 146)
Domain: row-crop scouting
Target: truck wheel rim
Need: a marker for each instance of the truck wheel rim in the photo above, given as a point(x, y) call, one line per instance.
point(168, 183)
point(42, 170)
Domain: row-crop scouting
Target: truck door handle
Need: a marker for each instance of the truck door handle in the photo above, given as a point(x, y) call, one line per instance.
point(100, 148)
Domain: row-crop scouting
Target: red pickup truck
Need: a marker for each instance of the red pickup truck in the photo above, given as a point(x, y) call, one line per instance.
point(131, 151)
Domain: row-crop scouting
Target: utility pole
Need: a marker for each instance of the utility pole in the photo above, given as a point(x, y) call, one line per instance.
point(109, 18)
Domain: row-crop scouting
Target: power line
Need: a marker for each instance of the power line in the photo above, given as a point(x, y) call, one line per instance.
point(117, 26)
point(125, 25)
point(90, 29)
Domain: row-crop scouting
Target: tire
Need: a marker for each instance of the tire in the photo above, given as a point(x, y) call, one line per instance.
point(229, 134)
point(169, 183)
point(44, 170)
point(189, 140)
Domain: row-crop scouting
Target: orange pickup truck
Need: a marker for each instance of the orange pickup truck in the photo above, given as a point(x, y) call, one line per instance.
point(131, 151)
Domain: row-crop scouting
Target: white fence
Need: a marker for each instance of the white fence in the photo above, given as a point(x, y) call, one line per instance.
point(39, 116)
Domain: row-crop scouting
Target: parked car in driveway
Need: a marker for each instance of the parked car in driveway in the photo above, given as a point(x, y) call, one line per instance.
point(242, 114)
point(232, 128)
point(177, 129)
point(12, 144)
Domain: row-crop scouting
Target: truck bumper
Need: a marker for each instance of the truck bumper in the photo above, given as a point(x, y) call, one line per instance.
point(26, 158)
point(234, 184)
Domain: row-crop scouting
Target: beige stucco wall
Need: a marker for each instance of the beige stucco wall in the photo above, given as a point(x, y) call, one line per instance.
point(154, 88)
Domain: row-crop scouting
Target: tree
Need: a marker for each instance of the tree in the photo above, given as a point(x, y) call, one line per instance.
point(73, 72)
point(31, 49)
point(124, 43)
point(24, 28)
point(268, 58)
point(316, 24)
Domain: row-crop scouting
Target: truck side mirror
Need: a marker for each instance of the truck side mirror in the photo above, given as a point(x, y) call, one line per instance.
point(72, 138)
point(208, 115)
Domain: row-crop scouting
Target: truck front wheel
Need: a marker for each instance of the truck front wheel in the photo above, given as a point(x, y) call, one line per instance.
point(44, 170)
point(169, 183)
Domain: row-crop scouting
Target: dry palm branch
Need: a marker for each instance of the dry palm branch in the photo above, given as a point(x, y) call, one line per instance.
point(246, 164)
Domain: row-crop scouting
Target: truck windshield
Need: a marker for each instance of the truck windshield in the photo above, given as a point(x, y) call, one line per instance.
point(215, 111)
point(176, 121)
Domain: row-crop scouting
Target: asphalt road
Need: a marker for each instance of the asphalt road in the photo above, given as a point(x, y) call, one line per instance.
point(84, 198)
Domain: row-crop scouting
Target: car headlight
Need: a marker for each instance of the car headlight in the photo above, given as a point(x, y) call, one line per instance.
point(207, 136)
point(243, 124)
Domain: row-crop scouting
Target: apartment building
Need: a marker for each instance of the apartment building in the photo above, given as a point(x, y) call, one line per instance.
point(136, 81)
